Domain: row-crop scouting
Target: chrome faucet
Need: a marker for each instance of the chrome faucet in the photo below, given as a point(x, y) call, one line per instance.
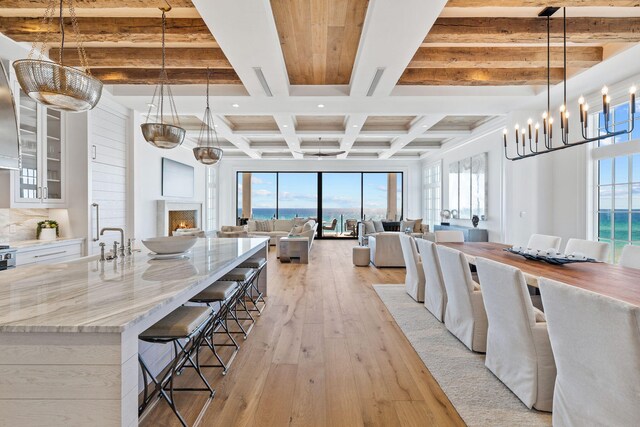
point(121, 231)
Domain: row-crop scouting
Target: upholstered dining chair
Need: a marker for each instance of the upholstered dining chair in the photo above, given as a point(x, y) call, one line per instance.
point(449, 236)
point(465, 316)
point(630, 257)
point(596, 250)
point(518, 348)
point(542, 242)
point(435, 294)
point(414, 280)
point(596, 345)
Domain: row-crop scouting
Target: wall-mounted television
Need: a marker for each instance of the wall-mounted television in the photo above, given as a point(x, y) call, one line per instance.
point(177, 179)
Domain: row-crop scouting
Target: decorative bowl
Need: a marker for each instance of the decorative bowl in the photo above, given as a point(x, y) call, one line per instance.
point(170, 245)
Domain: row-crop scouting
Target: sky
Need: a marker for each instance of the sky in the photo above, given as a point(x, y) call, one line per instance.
point(299, 190)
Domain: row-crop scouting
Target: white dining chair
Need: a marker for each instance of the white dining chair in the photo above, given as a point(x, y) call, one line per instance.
point(596, 250)
point(596, 345)
point(518, 348)
point(449, 236)
point(542, 242)
point(435, 294)
point(414, 279)
point(630, 257)
point(465, 316)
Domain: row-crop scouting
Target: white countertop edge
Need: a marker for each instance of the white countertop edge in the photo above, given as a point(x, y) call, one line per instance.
point(119, 329)
point(27, 245)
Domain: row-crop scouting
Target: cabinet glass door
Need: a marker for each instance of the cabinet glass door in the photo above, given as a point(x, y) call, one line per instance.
point(52, 189)
point(28, 187)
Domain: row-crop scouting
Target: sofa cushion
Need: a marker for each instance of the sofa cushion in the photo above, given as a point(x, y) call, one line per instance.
point(417, 227)
point(232, 228)
point(308, 225)
point(282, 225)
point(377, 224)
point(407, 224)
point(297, 229)
point(369, 228)
point(300, 220)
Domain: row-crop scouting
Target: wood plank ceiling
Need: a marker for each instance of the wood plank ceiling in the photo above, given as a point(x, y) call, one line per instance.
point(466, 50)
point(122, 39)
point(319, 38)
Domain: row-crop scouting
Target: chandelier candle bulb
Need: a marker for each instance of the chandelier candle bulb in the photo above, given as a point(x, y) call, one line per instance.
point(550, 127)
point(537, 132)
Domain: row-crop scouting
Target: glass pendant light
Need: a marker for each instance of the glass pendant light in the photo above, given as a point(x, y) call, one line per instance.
point(208, 151)
point(160, 130)
point(54, 84)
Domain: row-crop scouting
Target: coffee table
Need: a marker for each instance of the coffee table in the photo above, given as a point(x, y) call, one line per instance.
point(294, 247)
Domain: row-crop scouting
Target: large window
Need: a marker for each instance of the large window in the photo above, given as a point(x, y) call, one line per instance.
point(617, 189)
point(432, 187)
point(337, 199)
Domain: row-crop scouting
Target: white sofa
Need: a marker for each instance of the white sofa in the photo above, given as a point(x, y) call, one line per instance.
point(386, 250)
point(279, 228)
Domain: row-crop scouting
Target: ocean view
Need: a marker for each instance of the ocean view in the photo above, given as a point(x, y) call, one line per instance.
point(327, 215)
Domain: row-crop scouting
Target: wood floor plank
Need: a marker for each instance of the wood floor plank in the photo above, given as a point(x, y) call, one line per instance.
point(324, 352)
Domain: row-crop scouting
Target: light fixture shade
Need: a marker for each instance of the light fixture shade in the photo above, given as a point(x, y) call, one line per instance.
point(57, 86)
point(163, 135)
point(207, 155)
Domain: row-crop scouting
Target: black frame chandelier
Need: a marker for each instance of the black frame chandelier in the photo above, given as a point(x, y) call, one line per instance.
point(208, 151)
point(51, 83)
point(527, 138)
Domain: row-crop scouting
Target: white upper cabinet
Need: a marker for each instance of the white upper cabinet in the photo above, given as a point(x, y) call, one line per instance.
point(40, 182)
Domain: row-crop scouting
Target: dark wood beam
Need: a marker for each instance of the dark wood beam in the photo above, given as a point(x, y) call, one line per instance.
point(479, 76)
point(142, 30)
point(533, 30)
point(133, 57)
point(504, 57)
point(177, 76)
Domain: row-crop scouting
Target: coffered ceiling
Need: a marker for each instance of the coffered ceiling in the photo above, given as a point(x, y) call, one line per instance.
point(377, 79)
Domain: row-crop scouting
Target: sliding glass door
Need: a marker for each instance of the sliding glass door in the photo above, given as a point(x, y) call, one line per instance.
point(337, 200)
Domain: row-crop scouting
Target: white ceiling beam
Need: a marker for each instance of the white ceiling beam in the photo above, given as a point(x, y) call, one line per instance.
point(246, 32)
point(287, 126)
point(442, 134)
point(352, 128)
point(391, 35)
point(226, 132)
point(417, 128)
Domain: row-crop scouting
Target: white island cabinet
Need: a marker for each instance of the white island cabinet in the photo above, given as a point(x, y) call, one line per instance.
point(69, 331)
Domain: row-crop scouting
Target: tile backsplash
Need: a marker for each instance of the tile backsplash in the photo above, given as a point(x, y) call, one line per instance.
point(22, 222)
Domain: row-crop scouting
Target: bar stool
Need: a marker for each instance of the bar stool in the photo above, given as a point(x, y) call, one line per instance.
point(223, 294)
point(243, 276)
point(187, 324)
point(258, 263)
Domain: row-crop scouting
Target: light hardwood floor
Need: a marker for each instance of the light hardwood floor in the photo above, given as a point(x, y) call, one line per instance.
point(325, 352)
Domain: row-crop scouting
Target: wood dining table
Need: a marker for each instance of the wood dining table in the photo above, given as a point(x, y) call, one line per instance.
point(610, 280)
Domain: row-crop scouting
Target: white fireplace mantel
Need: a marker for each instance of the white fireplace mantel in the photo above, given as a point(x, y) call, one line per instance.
point(165, 206)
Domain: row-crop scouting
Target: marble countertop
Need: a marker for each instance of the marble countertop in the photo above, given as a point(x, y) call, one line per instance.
point(87, 295)
point(28, 244)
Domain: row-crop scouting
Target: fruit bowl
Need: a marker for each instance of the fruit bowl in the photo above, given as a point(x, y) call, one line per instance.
point(170, 245)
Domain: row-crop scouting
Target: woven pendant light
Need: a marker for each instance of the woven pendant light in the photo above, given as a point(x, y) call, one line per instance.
point(161, 130)
point(208, 151)
point(54, 84)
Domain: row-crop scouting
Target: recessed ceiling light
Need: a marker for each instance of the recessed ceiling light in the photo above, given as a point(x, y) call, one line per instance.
point(235, 105)
point(320, 105)
point(355, 126)
point(150, 105)
point(425, 126)
point(285, 126)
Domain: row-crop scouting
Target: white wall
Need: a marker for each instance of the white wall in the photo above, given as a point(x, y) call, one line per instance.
point(147, 177)
point(228, 167)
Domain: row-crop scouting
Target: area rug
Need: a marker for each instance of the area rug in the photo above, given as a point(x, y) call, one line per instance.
point(478, 396)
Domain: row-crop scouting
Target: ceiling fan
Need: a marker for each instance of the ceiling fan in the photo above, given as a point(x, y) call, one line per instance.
point(321, 154)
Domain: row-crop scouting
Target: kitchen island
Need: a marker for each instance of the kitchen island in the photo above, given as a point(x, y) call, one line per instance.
point(69, 332)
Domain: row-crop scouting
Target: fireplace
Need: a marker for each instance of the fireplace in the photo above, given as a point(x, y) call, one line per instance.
point(177, 215)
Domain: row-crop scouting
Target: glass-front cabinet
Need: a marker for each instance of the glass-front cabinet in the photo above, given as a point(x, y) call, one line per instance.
point(40, 180)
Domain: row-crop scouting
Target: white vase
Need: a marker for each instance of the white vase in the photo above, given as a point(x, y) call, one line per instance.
point(47, 234)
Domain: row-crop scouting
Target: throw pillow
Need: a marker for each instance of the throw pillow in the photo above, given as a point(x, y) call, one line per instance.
point(296, 230)
point(369, 228)
point(378, 226)
point(417, 228)
point(251, 225)
point(308, 225)
point(407, 224)
point(263, 225)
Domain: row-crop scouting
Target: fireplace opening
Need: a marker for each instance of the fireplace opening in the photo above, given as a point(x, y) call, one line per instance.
point(181, 219)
